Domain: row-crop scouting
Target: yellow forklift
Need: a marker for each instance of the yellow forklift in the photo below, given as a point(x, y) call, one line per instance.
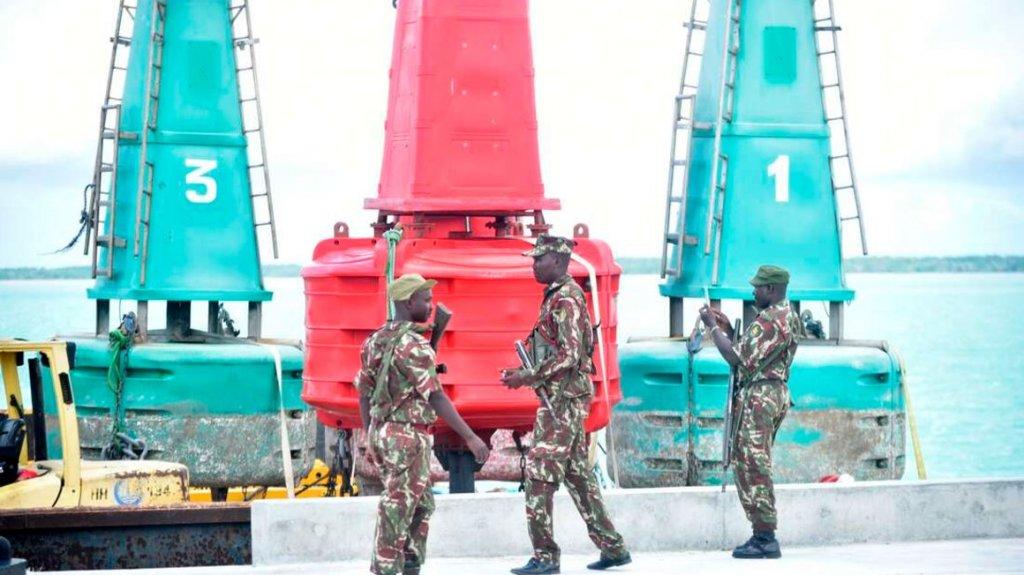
point(70, 481)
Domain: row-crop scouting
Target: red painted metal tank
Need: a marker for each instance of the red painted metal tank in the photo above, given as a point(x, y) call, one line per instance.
point(488, 285)
point(461, 173)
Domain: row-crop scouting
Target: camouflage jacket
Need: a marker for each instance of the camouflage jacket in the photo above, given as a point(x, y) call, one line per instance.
point(398, 391)
point(768, 345)
point(562, 342)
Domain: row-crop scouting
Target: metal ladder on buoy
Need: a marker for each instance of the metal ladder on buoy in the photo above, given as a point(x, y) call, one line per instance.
point(101, 210)
point(830, 77)
point(719, 161)
point(252, 119)
point(150, 113)
point(684, 124)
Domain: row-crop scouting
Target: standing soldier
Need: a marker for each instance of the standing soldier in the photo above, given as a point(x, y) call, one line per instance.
point(561, 345)
point(763, 357)
point(400, 398)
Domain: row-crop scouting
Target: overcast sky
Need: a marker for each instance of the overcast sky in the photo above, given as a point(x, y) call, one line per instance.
point(935, 94)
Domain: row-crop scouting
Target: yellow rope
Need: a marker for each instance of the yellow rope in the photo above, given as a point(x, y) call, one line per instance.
point(912, 420)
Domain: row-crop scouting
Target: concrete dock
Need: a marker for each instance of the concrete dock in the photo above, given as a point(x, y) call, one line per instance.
point(942, 557)
point(656, 520)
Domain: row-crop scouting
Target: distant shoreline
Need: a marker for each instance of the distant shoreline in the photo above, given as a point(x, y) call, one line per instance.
point(877, 264)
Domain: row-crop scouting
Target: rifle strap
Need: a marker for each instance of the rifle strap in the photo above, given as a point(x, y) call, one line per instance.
point(381, 398)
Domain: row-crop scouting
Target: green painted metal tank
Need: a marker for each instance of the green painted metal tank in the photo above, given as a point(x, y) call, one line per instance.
point(179, 192)
point(848, 414)
point(181, 224)
point(760, 172)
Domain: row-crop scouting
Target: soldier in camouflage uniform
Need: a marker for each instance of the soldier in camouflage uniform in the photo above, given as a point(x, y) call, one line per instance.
point(762, 357)
point(561, 345)
point(400, 398)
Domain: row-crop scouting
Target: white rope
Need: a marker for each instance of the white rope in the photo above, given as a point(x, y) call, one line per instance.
point(286, 448)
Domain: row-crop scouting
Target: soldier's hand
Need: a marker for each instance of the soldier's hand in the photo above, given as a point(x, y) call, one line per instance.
point(513, 379)
point(479, 449)
point(723, 321)
point(707, 316)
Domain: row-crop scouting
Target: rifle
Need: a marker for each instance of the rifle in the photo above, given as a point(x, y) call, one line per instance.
point(731, 424)
point(442, 315)
point(528, 364)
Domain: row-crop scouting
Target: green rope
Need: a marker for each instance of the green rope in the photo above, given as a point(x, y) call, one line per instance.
point(121, 443)
point(393, 236)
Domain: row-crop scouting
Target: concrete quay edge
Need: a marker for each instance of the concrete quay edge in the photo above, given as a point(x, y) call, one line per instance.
point(655, 520)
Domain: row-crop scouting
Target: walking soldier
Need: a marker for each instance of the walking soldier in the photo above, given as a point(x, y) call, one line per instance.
point(561, 345)
point(763, 357)
point(400, 398)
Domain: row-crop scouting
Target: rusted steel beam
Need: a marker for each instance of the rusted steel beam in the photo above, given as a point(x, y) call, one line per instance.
point(130, 538)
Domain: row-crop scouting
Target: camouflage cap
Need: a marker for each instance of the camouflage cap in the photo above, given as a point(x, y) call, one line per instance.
point(551, 244)
point(769, 274)
point(402, 288)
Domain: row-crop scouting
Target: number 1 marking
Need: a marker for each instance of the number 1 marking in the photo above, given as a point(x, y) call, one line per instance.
point(779, 169)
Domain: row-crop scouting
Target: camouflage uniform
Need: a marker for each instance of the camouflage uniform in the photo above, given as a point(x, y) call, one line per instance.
point(398, 374)
point(766, 352)
point(561, 345)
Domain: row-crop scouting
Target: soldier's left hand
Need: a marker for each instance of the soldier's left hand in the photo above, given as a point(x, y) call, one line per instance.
point(513, 379)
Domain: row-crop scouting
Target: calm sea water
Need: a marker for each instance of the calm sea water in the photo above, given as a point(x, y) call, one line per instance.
point(956, 332)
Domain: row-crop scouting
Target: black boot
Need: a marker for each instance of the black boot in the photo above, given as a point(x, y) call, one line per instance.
point(762, 545)
point(607, 561)
point(537, 567)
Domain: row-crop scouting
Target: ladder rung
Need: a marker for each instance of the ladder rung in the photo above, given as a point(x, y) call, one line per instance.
point(826, 53)
point(129, 135)
point(245, 69)
point(259, 195)
point(256, 166)
point(108, 134)
point(122, 40)
point(701, 54)
point(696, 25)
point(262, 224)
point(832, 85)
point(679, 162)
point(825, 19)
point(848, 218)
point(839, 156)
point(244, 100)
point(672, 238)
point(675, 199)
point(834, 118)
point(117, 243)
point(846, 187)
point(249, 131)
point(106, 167)
point(116, 67)
point(828, 28)
point(103, 203)
point(702, 125)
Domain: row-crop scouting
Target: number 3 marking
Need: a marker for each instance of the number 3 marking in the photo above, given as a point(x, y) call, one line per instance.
point(779, 169)
point(198, 176)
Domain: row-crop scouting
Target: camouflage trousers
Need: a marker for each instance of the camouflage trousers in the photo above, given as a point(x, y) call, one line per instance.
point(559, 453)
point(403, 514)
point(765, 404)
